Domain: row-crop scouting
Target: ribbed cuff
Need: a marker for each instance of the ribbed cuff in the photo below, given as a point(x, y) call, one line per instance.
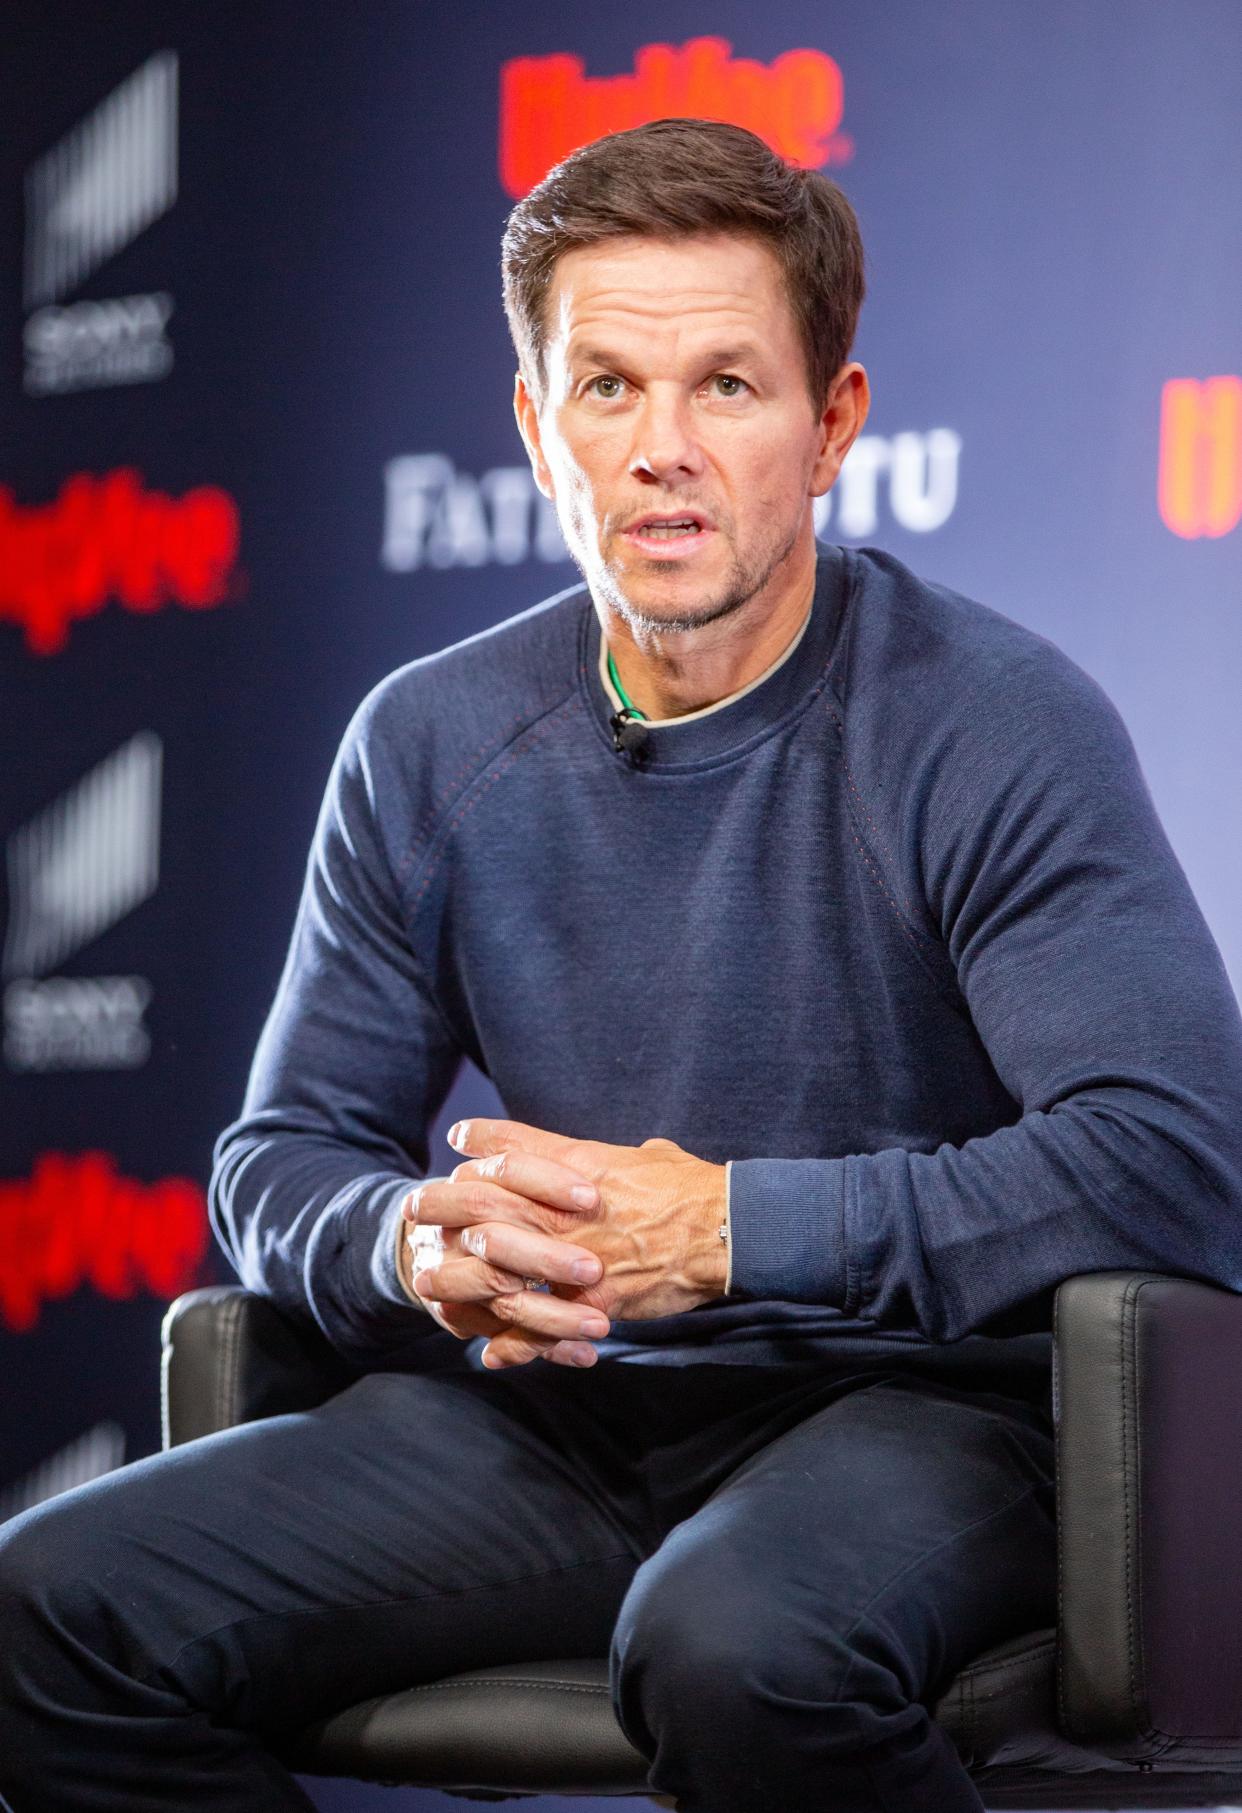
point(353, 1288)
point(787, 1229)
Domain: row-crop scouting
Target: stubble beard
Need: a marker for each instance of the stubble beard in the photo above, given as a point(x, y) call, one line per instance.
point(741, 583)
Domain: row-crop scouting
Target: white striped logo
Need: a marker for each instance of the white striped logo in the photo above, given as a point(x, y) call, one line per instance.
point(85, 861)
point(105, 181)
point(101, 1450)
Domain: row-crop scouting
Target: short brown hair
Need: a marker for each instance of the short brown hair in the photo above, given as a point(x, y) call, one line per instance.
point(674, 178)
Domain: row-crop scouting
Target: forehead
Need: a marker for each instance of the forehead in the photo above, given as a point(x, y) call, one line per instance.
point(713, 282)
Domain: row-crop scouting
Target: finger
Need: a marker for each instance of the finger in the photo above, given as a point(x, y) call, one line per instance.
point(482, 1138)
point(549, 1180)
point(519, 1348)
point(514, 1349)
point(532, 1311)
point(528, 1254)
point(467, 1321)
point(471, 1280)
point(468, 1196)
point(465, 1279)
point(568, 1353)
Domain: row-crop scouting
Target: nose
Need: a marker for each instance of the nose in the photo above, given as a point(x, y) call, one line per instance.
point(665, 449)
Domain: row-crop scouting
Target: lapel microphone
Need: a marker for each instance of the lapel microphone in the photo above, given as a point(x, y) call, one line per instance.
point(629, 734)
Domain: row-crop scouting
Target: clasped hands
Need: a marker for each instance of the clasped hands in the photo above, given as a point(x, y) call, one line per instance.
point(615, 1231)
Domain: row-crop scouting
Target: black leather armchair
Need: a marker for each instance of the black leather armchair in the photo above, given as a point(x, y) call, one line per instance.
point(1133, 1700)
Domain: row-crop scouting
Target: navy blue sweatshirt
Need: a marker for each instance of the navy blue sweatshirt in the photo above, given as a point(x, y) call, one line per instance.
point(895, 933)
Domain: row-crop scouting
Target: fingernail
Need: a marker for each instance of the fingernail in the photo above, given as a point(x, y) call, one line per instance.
point(453, 1131)
point(408, 1206)
point(420, 1284)
point(594, 1326)
point(586, 1271)
point(584, 1194)
point(583, 1356)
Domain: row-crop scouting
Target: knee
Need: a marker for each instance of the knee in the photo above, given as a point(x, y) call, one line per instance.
point(691, 1632)
point(29, 1558)
point(55, 1564)
point(678, 1630)
point(728, 1652)
point(32, 1562)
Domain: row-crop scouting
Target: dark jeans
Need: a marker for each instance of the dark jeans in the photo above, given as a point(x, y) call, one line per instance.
point(785, 1567)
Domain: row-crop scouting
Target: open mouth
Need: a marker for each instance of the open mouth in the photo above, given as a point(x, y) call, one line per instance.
point(668, 531)
point(671, 532)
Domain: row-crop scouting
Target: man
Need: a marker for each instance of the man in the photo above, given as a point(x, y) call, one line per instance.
point(818, 933)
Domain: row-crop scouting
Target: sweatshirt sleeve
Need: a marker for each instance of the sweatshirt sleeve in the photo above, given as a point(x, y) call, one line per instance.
point(352, 1066)
point(1104, 1006)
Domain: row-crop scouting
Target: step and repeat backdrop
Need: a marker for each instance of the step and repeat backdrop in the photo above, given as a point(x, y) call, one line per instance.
point(256, 449)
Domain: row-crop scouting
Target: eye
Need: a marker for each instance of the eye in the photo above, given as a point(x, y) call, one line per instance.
point(730, 385)
point(607, 395)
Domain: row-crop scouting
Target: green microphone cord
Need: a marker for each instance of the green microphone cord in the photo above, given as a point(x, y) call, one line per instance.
point(616, 680)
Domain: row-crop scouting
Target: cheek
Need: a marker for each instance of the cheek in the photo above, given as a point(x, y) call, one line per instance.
point(587, 447)
point(772, 471)
point(579, 467)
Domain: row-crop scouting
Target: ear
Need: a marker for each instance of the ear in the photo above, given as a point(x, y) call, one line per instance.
point(528, 427)
point(849, 399)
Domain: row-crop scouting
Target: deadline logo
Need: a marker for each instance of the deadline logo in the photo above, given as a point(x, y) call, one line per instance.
point(1200, 483)
point(549, 106)
point(76, 1221)
point(105, 538)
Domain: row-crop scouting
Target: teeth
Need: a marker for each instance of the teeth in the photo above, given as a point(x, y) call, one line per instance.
point(662, 531)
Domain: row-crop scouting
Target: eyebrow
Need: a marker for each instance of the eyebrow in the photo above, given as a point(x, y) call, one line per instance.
point(717, 358)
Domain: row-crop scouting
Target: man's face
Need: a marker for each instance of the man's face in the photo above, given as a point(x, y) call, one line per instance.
point(677, 436)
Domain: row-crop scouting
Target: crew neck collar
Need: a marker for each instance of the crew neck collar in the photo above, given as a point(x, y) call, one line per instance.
point(747, 715)
point(687, 717)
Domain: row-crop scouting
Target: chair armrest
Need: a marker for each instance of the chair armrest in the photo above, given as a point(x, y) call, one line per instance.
point(231, 1357)
point(1148, 1404)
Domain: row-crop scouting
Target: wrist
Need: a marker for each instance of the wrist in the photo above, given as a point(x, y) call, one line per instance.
point(708, 1261)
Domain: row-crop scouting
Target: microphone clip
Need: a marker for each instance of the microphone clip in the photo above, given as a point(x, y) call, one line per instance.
point(629, 734)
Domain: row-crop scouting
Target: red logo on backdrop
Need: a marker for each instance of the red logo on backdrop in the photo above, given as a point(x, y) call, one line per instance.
point(77, 1222)
point(108, 538)
point(549, 106)
point(1200, 487)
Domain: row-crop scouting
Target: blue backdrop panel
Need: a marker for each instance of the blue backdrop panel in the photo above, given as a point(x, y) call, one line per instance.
point(256, 449)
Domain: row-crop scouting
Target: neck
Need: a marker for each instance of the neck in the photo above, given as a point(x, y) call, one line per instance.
point(666, 674)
